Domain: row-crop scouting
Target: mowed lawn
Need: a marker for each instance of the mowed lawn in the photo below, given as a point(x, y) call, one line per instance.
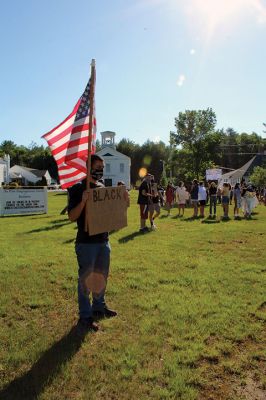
point(191, 299)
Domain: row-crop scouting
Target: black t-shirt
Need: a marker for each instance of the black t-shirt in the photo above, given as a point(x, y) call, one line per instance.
point(194, 192)
point(74, 198)
point(142, 199)
point(213, 190)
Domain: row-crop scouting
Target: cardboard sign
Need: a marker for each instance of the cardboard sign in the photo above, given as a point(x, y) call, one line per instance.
point(107, 209)
point(213, 174)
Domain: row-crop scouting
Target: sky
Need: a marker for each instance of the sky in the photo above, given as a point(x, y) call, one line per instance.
point(154, 59)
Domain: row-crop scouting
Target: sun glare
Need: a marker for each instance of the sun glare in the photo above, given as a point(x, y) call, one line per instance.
point(214, 17)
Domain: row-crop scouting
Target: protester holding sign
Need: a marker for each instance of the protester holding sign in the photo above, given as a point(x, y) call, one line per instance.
point(93, 253)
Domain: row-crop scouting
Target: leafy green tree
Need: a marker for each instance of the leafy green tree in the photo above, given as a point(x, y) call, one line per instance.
point(149, 156)
point(258, 178)
point(193, 126)
point(8, 147)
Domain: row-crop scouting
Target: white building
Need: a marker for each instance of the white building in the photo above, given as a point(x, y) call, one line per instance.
point(26, 176)
point(4, 169)
point(117, 165)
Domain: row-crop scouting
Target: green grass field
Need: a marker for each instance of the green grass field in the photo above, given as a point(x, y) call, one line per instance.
point(191, 300)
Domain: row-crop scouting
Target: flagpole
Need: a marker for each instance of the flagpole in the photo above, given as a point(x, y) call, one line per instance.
point(90, 133)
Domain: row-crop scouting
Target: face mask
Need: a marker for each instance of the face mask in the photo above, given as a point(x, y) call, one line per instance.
point(97, 174)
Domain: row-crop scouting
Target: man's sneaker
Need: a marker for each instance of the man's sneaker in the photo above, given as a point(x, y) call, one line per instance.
point(105, 313)
point(144, 230)
point(85, 325)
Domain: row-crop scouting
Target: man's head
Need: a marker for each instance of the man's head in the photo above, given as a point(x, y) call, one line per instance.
point(148, 177)
point(97, 166)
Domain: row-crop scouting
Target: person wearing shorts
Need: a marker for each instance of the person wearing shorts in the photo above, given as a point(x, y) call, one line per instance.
point(170, 197)
point(213, 199)
point(225, 200)
point(144, 199)
point(154, 205)
point(237, 200)
point(182, 196)
point(202, 197)
point(194, 193)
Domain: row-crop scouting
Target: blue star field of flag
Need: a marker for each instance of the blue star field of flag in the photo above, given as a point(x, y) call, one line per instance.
point(84, 106)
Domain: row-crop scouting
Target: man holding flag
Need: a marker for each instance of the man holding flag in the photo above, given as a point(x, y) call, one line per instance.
point(93, 253)
point(72, 144)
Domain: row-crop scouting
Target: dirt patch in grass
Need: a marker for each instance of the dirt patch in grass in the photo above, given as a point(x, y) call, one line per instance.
point(251, 389)
point(236, 376)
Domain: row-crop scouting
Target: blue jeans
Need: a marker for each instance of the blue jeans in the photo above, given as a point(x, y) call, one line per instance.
point(92, 257)
point(213, 201)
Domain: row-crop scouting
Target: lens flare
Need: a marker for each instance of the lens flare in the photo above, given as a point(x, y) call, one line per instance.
point(94, 282)
point(147, 160)
point(142, 172)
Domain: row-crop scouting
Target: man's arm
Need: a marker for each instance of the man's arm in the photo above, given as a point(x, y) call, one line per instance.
point(75, 212)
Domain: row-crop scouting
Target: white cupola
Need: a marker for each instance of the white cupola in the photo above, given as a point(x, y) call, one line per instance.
point(108, 139)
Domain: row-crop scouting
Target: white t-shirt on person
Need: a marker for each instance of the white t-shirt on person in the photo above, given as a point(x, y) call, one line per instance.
point(202, 193)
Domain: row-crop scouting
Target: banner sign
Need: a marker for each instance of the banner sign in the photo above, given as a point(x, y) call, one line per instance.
point(23, 201)
point(107, 209)
point(213, 174)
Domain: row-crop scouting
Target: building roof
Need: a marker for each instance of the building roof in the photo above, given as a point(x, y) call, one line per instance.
point(257, 160)
point(37, 172)
point(108, 151)
point(14, 175)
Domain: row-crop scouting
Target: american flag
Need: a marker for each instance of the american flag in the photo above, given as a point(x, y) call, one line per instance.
point(69, 142)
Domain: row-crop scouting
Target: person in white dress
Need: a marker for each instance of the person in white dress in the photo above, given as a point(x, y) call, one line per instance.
point(181, 196)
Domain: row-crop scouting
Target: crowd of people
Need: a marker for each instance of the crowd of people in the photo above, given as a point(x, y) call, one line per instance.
point(199, 195)
point(93, 251)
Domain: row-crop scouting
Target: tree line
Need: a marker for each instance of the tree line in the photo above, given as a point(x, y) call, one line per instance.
point(193, 147)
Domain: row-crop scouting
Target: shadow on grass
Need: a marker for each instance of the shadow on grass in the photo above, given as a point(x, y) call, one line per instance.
point(210, 221)
point(191, 219)
point(50, 228)
point(69, 241)
point(32, 383)
point(58, 221)
point(132, 236)
point(164, 216)
point(222, 219)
